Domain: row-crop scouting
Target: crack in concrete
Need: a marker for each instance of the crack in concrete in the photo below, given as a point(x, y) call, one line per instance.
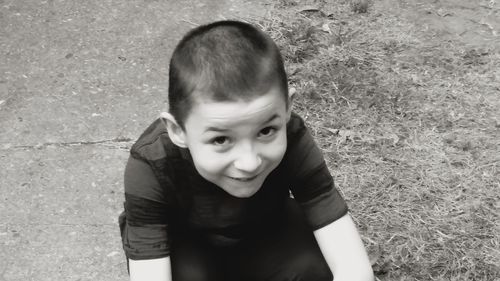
point(117, 143)
point(59, 224)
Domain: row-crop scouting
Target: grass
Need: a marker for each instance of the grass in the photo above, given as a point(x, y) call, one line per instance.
point(410, 126)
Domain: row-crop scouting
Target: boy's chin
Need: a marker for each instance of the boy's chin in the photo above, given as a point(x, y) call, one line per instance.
point(242, 192)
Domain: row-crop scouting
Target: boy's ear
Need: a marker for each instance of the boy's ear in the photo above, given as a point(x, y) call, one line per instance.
point(291, 95)
point(175, 132)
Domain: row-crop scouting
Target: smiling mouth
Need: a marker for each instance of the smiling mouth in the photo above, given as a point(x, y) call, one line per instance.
point(244, 179)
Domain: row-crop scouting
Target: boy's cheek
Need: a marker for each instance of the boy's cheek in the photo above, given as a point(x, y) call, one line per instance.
point(209, 162)
point(281, 144)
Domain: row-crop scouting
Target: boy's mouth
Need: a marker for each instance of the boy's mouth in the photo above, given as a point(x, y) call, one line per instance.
point(247, 179)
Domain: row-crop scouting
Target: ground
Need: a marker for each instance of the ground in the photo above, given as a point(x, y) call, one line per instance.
point(403, 99)
point(79, 80)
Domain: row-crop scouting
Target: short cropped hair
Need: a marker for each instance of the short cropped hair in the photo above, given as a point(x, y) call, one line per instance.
point(223, 61)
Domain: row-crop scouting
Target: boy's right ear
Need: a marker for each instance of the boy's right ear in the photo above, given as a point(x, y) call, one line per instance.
point(175, 132)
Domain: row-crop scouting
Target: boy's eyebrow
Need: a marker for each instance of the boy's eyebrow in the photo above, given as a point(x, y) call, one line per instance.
point(215, 129)
point(274, 116)
point(222, 130)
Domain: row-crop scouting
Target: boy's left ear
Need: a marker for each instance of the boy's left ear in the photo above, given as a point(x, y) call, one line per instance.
point(175, 131)
point(291, 95)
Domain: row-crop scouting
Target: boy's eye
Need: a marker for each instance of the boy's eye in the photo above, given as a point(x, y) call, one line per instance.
point(267, 131)
point(220, 140)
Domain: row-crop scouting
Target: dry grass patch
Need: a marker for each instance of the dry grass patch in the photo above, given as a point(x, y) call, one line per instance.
point(410, 127)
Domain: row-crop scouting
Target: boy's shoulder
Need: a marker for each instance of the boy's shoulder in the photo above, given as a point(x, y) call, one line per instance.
point(296, 126)
point(154, 143)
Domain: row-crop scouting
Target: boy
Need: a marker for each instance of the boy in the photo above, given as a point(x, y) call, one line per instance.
point(207, 184)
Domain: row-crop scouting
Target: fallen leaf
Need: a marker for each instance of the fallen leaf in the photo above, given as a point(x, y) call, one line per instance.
point(309, 8)
point(326, 28)
point(443, 13)
point(393, 137)
point(345, 135)
point(112, 254)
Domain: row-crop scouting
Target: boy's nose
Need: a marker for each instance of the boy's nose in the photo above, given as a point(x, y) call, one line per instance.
point(248, 162)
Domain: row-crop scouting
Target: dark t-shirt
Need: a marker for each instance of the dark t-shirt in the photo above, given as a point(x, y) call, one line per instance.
point(164, 194)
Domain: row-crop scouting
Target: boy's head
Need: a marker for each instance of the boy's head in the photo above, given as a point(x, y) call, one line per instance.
point(223, 61)
point(229, 104)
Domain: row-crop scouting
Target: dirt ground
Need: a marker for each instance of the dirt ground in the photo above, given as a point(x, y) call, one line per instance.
point(79, 81)
point(474, 23)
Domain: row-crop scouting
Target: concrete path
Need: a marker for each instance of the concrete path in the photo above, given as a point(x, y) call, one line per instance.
point(79, 81)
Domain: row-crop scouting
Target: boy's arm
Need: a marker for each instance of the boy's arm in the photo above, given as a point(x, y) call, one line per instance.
point(150, 270)
point(344, 251)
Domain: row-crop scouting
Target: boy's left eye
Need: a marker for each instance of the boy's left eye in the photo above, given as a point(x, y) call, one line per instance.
point(267, 131)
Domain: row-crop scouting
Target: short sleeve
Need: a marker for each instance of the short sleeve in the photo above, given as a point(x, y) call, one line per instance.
point(312, 184)
point(144, 224)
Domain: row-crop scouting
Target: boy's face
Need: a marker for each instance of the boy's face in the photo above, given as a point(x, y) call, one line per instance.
point(236, 144)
